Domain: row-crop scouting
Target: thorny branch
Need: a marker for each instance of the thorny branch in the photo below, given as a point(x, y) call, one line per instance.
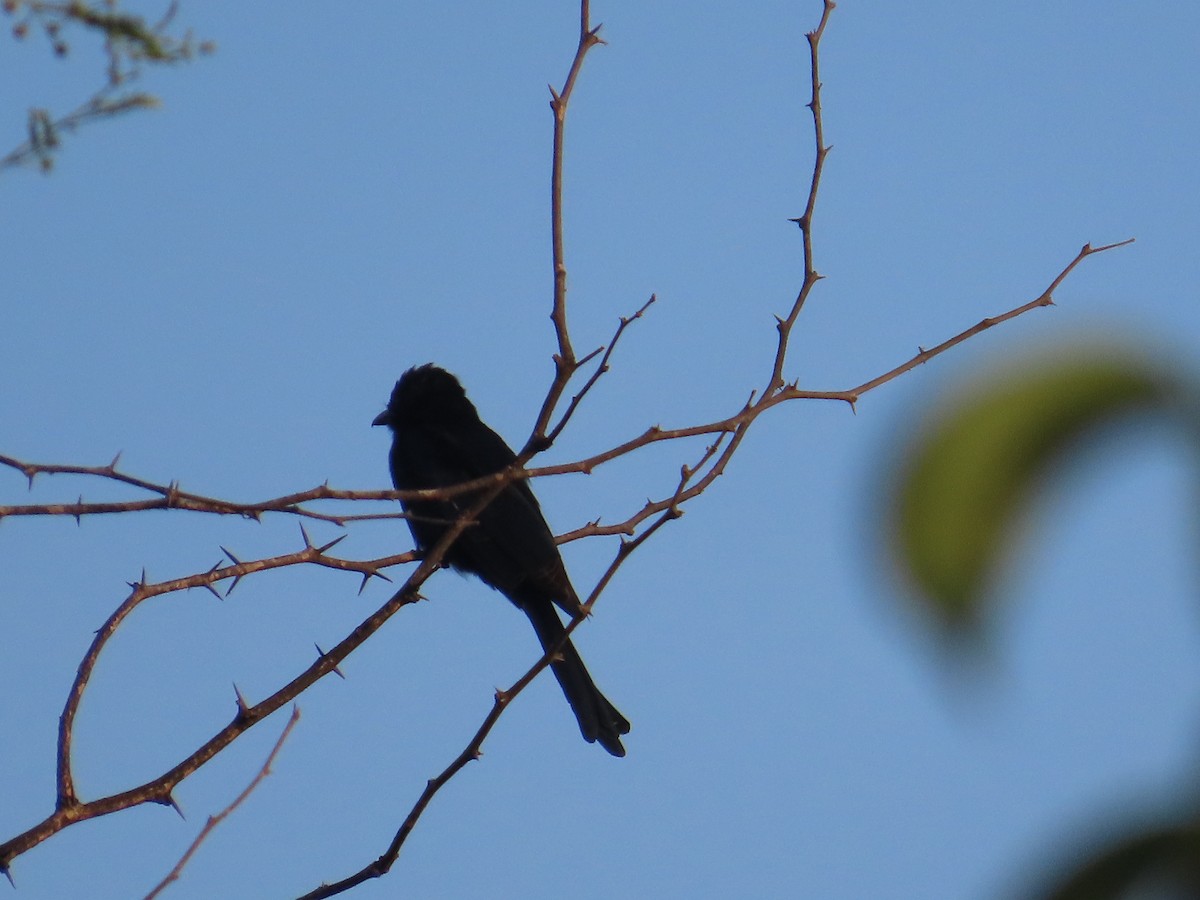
point(171, 497)
point(805, 220)
point(70, 810)
point(213, 821)
point(565, 364)
point(725, 435)
point(142, 591)
point(473, 750)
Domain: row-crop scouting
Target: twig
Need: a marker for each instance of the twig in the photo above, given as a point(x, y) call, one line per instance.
point(172, 497)
point(214, 821)
point(805, 220)
point(565, 364)
point(70, 810)
point(601, 369)
point(473, 750)
point(142, 591)
point(694, 480)
point(128, 42)
point(1046, 298)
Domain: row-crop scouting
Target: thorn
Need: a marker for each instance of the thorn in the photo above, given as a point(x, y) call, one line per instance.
point(243, 709)
point(78, 516)
point(209, 585)
point(304, 534)
point(367, 577)
point(236, 561)
point(237, 580)
point(8, 874)
point(553, 94)
point(332, 543)
point(175, 806)
point(336, 671)
point(29, 474)
point(112, 466)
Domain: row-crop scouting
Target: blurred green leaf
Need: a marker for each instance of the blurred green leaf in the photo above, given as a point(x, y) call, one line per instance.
point(980, 461)
point(1162, 863)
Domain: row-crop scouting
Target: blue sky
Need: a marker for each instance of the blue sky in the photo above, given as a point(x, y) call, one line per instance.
point(225, 290)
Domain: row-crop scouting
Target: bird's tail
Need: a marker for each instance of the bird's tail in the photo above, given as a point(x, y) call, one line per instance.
point(598, 719)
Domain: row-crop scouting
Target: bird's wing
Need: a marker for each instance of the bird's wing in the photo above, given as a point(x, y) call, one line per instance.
point(510, 547)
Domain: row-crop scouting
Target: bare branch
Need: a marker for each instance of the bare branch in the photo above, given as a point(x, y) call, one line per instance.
point(805, 221)
point(473, 750)
point(601, 369)
point(565, 364)
point(171, 497)
point(723, 438)
point(70, 810)
point(214, 821)
point(1046, 298)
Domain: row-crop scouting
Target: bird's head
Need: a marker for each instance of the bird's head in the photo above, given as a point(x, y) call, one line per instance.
point(424, 394)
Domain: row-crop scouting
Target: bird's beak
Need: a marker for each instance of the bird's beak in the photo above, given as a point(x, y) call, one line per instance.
point(381, 419)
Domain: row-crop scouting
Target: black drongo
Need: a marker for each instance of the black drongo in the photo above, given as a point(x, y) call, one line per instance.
point(439, 441)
